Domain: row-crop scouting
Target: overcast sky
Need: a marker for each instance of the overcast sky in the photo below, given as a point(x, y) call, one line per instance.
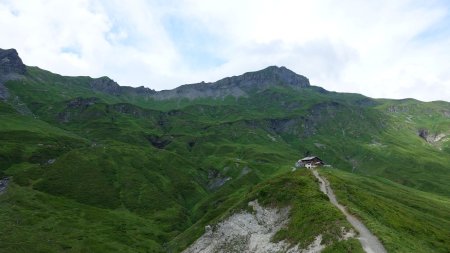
point(380, 48)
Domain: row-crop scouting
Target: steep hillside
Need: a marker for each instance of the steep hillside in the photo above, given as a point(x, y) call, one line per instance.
point(286, 213)
point(176, 161)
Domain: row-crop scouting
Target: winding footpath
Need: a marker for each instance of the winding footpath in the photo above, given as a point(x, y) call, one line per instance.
point(369, 241)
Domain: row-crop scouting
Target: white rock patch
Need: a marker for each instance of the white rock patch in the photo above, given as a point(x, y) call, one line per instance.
point(250, 232)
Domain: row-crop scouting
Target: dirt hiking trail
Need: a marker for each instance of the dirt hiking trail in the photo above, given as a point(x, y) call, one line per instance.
point(369, 241)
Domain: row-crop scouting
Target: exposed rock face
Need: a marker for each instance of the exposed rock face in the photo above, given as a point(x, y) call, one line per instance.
point(82, 102)
point(398, 109)
point(264, 78)
point(159, 142)
point(130, 109)
point(367, 102)
point(446, 113)
point(281, 126)
point(74, 107)
point(430, 137)
point(11, 67)
point(141, 90)
point(216, 179)
point(4, 94)
point(10, 62)
point(245, 232)
point(238, 86)
point(3, 185)
point(252, 233)
point(107, 85)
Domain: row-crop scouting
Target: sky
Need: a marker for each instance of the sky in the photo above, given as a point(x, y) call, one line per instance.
point(379, 48)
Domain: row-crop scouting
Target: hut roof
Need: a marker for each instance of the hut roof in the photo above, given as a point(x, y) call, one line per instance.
point(310, 158)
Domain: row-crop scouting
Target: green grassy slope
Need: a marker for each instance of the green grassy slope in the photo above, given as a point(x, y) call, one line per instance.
point(177, 165)
point(406, 220)
point(32, 221)
point(299, 191)
point(27, 139)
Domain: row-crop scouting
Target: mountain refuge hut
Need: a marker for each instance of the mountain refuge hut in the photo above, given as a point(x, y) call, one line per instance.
point(310, 162)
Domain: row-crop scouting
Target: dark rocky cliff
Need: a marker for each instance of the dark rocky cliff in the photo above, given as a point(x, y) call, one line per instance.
point(10, 63)
point(11, 67)
point(107, 85)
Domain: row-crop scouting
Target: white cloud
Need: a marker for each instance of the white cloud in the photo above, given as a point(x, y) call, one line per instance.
point(379, 48)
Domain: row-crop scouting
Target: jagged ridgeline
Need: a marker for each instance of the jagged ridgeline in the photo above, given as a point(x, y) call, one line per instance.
point(92, 166)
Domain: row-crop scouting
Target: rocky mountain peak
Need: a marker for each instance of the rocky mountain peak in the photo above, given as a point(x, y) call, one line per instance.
point(269, 76)
point(10, 62)
point(11, 68)
point(278, 75)
point(238, 86)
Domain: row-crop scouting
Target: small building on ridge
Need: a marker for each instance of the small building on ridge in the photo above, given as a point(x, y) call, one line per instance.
point(309, 162)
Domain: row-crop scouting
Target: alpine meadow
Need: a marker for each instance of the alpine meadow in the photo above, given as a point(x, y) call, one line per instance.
point(87, 165)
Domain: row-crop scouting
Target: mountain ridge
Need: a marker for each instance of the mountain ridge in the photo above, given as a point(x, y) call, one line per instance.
point(236, 86)
point(99, 167)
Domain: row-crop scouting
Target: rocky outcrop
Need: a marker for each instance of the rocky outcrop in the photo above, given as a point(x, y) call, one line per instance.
point(238, 86)
point(4, 94)
point(10, 63)
point(306, 126)
point(107, 85)
point(132, 110)
point(398, 109)
point(82, 102)
point(3, 185)
point(252, 232)
point(11, 68)
point(141, 90)
point(245, 232)
point(216, 179)
point(366, 102)
point(431, 138)
point(74, 107)
point(265, 78)
point(159, 142)
point(282, 126)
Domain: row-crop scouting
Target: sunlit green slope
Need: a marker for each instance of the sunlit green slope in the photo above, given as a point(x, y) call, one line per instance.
point(74, 152)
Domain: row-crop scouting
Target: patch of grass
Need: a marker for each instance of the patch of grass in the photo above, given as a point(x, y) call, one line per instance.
point(351, 245)
point(311, 212)
point(32, 221)
point(406, 220)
